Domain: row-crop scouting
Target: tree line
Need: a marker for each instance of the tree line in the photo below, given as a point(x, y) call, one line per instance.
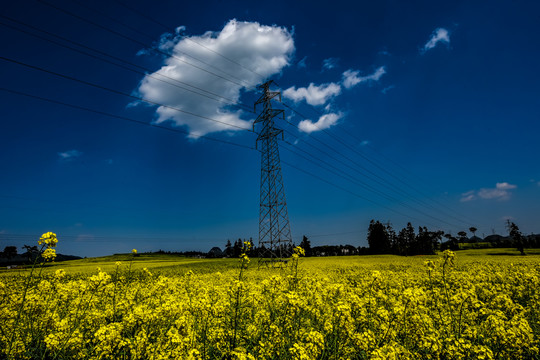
point(383, 239)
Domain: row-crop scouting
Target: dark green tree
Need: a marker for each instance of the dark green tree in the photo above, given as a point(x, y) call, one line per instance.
point(517, 237)
point(31, 252)
point(377, 238)
point(473, 230)
point(406, 240)
point(451, 243)
point(10, 251)
point(462, 236)
point(237, 248)
point(392, 238)
point(228, 249)
point(306, 245)
point(427, 242)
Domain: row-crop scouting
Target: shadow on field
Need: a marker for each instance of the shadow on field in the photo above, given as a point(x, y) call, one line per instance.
point(504, 253)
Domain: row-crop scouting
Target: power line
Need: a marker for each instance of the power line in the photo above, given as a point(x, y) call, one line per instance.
point(167, 28)
point(461, 219)
point(370, 188)
point(231, 102)
point(371, 172)
point(173, 130)
point(84, 82)
point(115, 20)
point(335, 234)
point(124, 118)
point(345, 189)
point(119, 92)
point(141, 43)
point(162, 80)
point(205, 137)
point(388, 186)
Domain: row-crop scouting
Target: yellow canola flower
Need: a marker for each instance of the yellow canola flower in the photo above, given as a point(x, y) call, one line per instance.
point(430, 265)
point(60, 273)
point(48, 238)
point(134, 251)
point(299, 251)
point(344, 307)
point(49, 254)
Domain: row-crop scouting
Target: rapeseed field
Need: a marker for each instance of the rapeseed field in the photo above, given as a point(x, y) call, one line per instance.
point(463, 305)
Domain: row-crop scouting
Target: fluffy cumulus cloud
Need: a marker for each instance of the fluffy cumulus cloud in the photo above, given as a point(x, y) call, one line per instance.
point(238, 56)
point(324, 122)
point(501, 191)
point(440, 35)
point(313, 94)
point(352, 78)
point(69, 155)
point(318, 95)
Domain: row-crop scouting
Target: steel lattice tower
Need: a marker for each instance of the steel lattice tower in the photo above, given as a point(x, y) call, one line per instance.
point(274, 229)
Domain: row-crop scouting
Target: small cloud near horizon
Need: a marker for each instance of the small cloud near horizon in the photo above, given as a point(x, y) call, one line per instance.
point(501, 192)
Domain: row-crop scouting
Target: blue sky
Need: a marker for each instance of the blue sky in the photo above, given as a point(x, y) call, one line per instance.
point(425, 113)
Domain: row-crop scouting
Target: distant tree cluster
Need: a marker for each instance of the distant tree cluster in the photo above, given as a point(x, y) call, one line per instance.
point(9, 252)
point(180, 253)
point(382, 239)
point(234, 249)
point(11, 256)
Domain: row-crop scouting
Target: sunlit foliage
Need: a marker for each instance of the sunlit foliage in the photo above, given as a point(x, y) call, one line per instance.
point(436, 307)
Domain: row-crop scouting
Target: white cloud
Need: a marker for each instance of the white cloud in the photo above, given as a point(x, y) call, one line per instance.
point(351, 78)
point(69, 155)
point(439, 35)
point(468, 196)
point(324, 122)
point(329, 63)
point(266, 50)
point(313, 94)
point(505, 186)
point(501, 191)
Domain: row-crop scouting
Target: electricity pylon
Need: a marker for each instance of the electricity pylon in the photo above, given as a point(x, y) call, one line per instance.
point(274, 230)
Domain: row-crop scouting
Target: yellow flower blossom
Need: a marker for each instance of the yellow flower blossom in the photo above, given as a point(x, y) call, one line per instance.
point(49, 254)
point(48, 238)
